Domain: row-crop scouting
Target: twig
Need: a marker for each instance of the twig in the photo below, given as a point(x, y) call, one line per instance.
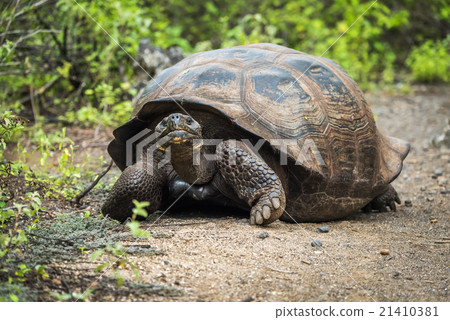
point(70, 242)
point(26, 31)
point(103, 223)
point(69, 291)
point(41, 90)
point(29, 8)
point(23, 38)
point(33, 106)
point(274, 269)
point(77, 199)
point(179, 224)
point(9, 23)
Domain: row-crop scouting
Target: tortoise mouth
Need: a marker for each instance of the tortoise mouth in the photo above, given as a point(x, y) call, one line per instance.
point(177, 137)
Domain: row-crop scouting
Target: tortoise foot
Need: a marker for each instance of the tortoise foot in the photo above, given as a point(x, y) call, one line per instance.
point(135, 183)
point(252, 180)
point(267, 209)
point(384, 201)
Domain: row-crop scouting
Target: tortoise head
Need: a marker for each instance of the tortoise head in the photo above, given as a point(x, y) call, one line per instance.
point(178, 129)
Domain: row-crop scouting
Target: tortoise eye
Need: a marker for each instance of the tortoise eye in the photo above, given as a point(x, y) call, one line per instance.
point(189, 121)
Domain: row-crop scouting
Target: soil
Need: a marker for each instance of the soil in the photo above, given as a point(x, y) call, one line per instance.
point(215, 255)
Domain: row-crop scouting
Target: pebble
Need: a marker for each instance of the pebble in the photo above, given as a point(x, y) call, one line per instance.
point(56, 282)
point(423, 188)
point(442, 181)
point(324, 229)
point(430, 199)
point(428, 211)
point(263, 235)
point(245, 220)
point(408, 203)
point(396, 274)
point(316, 243)
point(166, 262)
point(385, 252)
point(347, 245)
point(438, 172)
point(444, 191)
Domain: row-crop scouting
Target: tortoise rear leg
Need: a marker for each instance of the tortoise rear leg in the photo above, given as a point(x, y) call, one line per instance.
point(383, 201)
point(252, 180)
point(137, 182)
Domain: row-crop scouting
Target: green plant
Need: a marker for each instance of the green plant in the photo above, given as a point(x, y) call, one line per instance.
point(134, 226)
point(72, 296)
point(120, 261)
point(430, 61)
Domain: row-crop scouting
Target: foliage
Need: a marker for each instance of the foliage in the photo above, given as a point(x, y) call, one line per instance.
point(430, 62)
point(120, 261)
point(73, 62)
point(117, 251)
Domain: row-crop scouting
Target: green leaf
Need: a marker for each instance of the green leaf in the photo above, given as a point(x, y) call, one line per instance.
point(14, 298)
point(136, 231)
point(97, 254)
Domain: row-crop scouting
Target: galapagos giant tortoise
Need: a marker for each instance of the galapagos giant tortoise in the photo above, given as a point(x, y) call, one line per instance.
point(293, 138)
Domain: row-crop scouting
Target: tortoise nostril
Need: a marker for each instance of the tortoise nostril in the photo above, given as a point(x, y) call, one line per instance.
point(175, 119)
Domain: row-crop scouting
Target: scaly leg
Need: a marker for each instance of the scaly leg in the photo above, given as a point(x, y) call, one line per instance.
point(252, 180)
point(137, 182)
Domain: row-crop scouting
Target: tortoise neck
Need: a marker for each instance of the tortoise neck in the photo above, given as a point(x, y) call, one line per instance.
point(191, 162)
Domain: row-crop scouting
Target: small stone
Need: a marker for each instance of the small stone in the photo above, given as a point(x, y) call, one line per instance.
point(347, 245)
point(316, 243)
point(385, 252)
point(56, 282)
point(423, 188)
point(166, 262)
point(244, 220)
point(396, 274)
point(430, 199)
point(408, 203)
point(442, 181)
point(444, 191)
point(428, 211)
point(263, 235)
point(433, 221)
point(437, 172)
point(324, 229)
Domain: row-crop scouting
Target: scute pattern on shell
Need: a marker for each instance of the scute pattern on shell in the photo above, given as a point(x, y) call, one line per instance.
point(272, 92)
point(276, 92)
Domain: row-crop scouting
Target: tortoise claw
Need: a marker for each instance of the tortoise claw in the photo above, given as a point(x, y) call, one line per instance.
point(384, 201)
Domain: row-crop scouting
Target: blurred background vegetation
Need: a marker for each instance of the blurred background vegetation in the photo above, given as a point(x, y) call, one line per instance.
point(55, 61)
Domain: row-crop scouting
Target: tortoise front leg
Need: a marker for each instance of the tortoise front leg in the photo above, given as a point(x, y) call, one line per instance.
point(252, 180)
point(137, 182)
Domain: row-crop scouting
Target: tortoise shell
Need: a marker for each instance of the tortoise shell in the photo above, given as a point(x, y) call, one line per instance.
point(274, 92)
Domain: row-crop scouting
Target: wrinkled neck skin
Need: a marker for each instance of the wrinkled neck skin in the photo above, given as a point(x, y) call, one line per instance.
point(190, 162)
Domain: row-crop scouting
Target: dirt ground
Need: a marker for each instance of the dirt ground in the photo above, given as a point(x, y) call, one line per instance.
point(215, 255)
